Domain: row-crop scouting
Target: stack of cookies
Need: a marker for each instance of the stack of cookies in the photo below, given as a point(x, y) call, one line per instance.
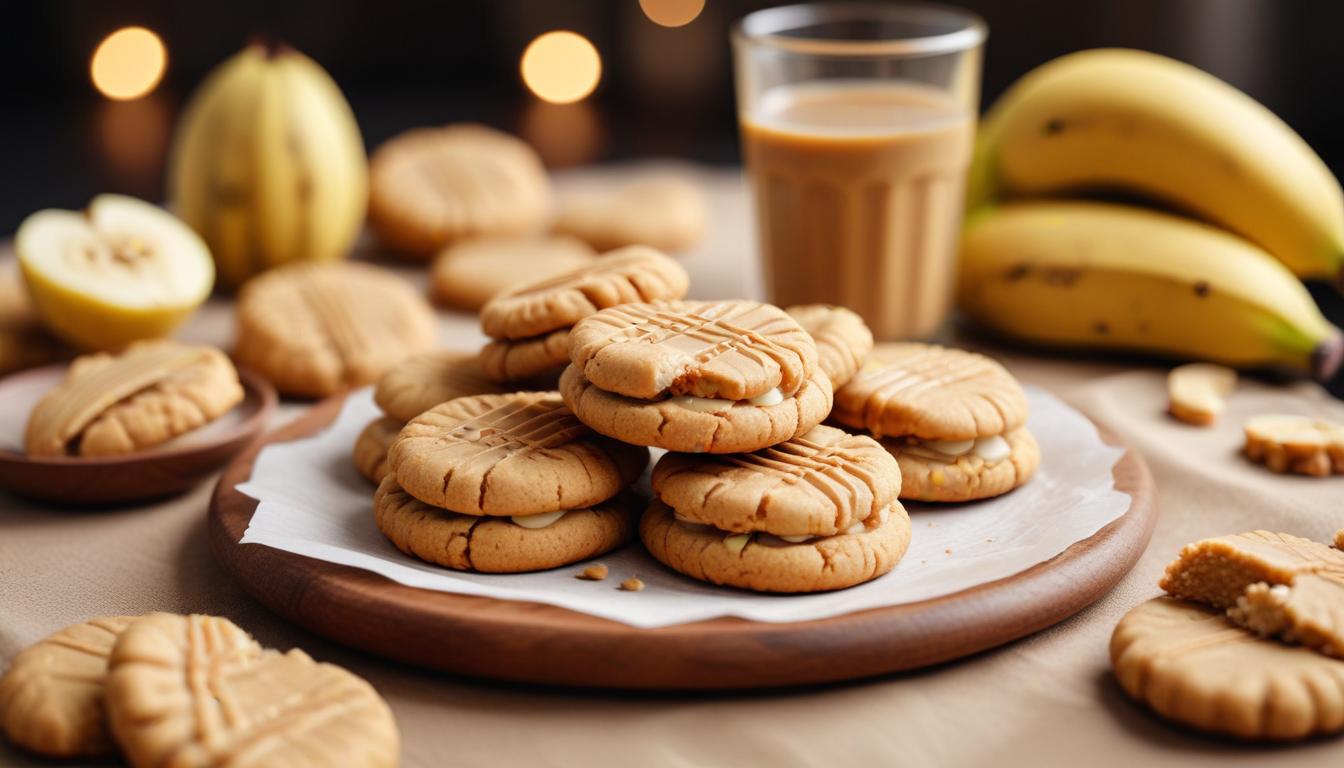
point(506, 483)
point(530, 324)
point(954, 420)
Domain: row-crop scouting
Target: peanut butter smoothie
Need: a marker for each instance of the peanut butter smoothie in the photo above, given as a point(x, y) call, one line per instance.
point(859, 193)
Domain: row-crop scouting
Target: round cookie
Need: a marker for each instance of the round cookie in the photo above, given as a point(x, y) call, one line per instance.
point(731, 350)
point(51, 696)
point(664, 211)
point(1192, 666)
point(517, 454)
point(432, 186)
point(197, 690)
point(24, 341)
point(316, 329)
point(755, 562)
point(370, 452)
point(422, 381)
point(843, 339)
point(820, 483)
point(468, 274)
point(665, 424)
point(512, 360)
point(628, 275)
point(498, 545)
point(927, 476)
point(152, 392)
point(931, 392)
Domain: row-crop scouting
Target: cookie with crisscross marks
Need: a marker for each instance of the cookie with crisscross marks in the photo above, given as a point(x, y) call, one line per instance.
point(517, 454)
point(820, 483)
point(932, 393)
point(728, 350)
point(422, 381)
point(843, 339)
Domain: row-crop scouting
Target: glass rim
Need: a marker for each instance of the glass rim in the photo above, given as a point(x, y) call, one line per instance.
point(767, 27)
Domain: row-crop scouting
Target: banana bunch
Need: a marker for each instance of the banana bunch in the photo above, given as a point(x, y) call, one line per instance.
point(1111, 275)
point(268, 164)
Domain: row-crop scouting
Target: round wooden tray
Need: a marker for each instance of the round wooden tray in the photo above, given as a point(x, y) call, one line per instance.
point(528, 642)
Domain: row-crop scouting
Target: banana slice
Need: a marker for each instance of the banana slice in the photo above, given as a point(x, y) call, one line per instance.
point(1197, 391)
point(121, 271)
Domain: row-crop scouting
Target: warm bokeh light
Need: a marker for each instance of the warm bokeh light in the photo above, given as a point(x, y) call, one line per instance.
point(561, 67)
point(672, 13)
point(128, 64)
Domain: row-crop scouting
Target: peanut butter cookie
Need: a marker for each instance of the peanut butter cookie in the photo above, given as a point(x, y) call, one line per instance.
point(432, 186)
point(504, 455)
point(422, 381)
point(964, 470)
point(468, 274)
point(514, 360)
point(843, 339)
point(662, 211)
point(370, 452)
point(316, 329)
point(117, 404)
point(519, 544)
point(1194, 667)
point(198, 691)
point(51, 697)
point(1297, 444)
point(767, 563)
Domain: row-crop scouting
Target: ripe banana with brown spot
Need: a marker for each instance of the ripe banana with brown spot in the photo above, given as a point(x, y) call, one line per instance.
point(1079, 274)
point(268, 164)
point(1152, 126)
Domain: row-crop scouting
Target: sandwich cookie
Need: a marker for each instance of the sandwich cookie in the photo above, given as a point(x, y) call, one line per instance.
point(818, 512)
point(843, 339)
point(530, 324)
point(955, 420)
point(695, 377)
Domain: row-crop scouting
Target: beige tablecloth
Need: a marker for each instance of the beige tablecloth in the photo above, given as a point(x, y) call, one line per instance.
point(1045, 700)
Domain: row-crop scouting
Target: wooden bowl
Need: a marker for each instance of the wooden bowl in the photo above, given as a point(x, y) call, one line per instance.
point(164, 470)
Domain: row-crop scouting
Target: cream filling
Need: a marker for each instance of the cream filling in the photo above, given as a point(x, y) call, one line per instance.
point(538, 521)
point(718, 405)
point(736, 542)
point(990, 450)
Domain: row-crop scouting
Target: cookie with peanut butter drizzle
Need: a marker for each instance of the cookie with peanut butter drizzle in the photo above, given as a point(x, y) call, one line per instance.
point(116, 404)
point(516, 454)
point(518, 544)
point(814, 513)
point(316, 329)
point(955, 420)
point(695, 377)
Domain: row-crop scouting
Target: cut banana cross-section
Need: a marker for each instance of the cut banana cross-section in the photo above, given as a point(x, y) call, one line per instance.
point(121, 271)
point(1197, 391)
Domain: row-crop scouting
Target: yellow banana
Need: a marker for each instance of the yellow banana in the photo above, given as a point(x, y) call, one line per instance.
point(268, 164)
point(1102, 275)
point(1153, 126)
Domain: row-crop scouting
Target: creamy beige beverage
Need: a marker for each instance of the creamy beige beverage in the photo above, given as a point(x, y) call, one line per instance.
point(858, 190)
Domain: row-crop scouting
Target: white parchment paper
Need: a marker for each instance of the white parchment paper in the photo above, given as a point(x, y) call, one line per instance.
point(313, 503)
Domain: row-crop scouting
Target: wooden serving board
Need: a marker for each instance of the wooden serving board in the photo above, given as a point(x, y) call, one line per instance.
point(533, 643)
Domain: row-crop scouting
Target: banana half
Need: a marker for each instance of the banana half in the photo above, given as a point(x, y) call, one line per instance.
point(121, 271)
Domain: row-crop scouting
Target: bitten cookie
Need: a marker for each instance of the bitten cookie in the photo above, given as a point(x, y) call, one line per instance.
point(1297, 444)
point(316, 329)
point(717, 377)
point(422, 381)
point(51, 697)
point(517, 454)
point(197, 690)
point(1192, 666)
point(843, 339)
point(954, 419)
point(500, 545)
point(1275, 584)
point(468, 274)
point(665, 212)
point(432, 186)
point(116, 404)
point(370, 452)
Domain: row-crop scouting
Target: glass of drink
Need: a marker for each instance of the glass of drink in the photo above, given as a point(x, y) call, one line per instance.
point(858, 122)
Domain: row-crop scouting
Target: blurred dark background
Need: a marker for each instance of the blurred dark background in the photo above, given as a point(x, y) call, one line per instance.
point(664, 92)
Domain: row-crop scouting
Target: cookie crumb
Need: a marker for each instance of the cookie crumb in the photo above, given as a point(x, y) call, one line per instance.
point(632, 584)
point(596, 572)
point(947, 551)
